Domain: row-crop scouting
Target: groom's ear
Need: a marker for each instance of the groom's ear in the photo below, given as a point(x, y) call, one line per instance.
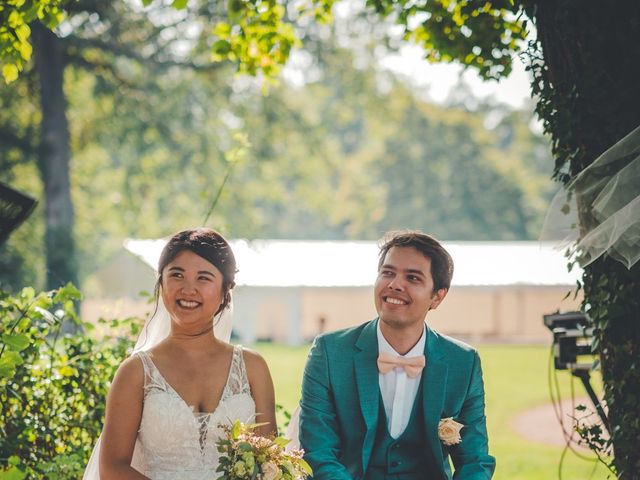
point(437, 298)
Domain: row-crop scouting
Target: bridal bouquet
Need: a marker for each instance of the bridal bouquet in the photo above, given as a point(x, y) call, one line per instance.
point(245, 455)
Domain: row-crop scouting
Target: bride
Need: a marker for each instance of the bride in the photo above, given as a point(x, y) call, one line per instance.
point(167, 400)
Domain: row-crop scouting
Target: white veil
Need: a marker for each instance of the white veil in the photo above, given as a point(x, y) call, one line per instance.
point(610, 187)
point(156, 328)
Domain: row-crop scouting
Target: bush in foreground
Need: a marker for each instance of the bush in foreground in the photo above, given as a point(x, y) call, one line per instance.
point(52, 385)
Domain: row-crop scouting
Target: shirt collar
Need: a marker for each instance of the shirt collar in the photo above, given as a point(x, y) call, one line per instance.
point(384, 346)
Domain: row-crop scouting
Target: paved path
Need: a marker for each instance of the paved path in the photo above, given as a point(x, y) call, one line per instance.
point(540, 424)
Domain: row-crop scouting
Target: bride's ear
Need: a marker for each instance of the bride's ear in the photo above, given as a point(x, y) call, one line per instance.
point(157, 289)
point(226, 300)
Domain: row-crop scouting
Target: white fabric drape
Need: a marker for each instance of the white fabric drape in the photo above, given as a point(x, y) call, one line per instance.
point(610, 186)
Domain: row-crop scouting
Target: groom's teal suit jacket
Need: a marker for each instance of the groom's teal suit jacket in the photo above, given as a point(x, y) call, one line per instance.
point(341, 399)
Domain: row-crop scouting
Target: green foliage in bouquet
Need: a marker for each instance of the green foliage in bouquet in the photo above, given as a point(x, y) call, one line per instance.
point(52, 384)
point(244, 455)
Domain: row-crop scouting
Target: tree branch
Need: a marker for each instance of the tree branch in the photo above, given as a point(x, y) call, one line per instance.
point(103, 69)
point(154, 60)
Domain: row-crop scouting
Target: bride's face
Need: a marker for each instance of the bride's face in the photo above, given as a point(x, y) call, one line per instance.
point(191, 289)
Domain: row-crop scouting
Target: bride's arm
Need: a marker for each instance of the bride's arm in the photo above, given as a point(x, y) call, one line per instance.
point(122, 420)
point(261, 391)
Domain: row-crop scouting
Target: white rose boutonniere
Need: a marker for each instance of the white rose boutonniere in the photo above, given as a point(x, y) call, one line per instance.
point(449, 431)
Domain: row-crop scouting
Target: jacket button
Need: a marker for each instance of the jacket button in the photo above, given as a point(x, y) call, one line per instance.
point(394, 464)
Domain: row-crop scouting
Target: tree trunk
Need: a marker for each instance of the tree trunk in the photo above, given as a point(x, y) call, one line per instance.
point(589, 100)
point(54, 157)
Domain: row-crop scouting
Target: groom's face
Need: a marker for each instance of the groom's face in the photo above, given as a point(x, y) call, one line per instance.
point(404, 288)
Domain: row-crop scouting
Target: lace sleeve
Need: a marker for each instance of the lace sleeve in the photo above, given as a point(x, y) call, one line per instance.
point(152, 379)
point(238, 381)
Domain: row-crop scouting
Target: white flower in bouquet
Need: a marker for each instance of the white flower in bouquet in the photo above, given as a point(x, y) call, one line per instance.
point(270, 471)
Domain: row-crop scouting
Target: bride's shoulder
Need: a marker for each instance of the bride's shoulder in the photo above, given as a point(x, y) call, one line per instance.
point(130, 373)
point(250, 355)
point(254, 362)
point(126, 394)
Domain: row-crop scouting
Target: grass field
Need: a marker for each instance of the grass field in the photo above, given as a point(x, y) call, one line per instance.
point(516, 379)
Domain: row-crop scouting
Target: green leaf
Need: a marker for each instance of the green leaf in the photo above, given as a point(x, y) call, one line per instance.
point(221, 48)
point(281, 441)
point(10, 73)
point(305, 466)
point(15, 19)
point(17, 342)
point(25, 49)
point(235, 430)
point(235, 7)
point(23, 32)
point(68, 292)
point(27, 294)
point(180, 4)
point(12, 473)
point(222, 30)
point(8, 363)
point(245, 446)
point(52, 19)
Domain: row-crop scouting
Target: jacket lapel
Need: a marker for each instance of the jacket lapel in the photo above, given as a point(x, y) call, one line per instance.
point(433, 389)
point(366, 373)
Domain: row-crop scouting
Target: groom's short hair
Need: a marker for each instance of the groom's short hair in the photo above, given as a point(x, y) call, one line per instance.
point(441, 261)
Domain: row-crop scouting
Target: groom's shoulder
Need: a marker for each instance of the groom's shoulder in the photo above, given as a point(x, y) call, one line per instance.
point(345, 336)
point(452, 345)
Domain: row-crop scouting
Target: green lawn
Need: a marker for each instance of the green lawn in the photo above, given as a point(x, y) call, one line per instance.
point(515, 378)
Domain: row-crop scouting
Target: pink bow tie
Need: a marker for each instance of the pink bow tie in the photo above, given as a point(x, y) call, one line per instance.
point(412, 365)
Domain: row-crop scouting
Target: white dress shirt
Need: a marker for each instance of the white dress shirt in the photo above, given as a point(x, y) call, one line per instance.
point(397, 389)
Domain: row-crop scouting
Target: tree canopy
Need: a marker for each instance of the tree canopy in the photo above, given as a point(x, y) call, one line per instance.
point(336, 158)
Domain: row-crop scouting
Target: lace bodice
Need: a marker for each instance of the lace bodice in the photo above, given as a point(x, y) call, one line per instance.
point(174, 441)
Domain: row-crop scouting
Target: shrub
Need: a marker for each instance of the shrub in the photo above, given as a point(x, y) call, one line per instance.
point(52, 385)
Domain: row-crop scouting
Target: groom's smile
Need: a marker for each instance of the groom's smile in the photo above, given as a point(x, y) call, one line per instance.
point(394, 301)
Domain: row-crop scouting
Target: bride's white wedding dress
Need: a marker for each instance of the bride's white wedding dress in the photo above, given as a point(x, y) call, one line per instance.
point(174, 441)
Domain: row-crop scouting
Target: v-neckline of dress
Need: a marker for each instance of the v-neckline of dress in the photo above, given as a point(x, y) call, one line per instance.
point(191, 408)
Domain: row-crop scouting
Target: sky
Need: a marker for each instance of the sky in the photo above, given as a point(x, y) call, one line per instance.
point(437, 80)
point(434, 82)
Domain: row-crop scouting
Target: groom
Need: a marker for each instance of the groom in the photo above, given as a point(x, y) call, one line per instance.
point(375, 397)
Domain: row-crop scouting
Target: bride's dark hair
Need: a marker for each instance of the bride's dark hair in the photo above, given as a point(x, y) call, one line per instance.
point(208, 244)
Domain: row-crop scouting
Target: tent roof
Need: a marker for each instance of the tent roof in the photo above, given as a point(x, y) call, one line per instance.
point(289, 263)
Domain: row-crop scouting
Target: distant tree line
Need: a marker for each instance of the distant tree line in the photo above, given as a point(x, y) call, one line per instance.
point(338, 157)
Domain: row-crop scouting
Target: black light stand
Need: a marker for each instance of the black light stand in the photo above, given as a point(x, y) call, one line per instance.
point(15, 207)
point(572, 338)
point(585, 376)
